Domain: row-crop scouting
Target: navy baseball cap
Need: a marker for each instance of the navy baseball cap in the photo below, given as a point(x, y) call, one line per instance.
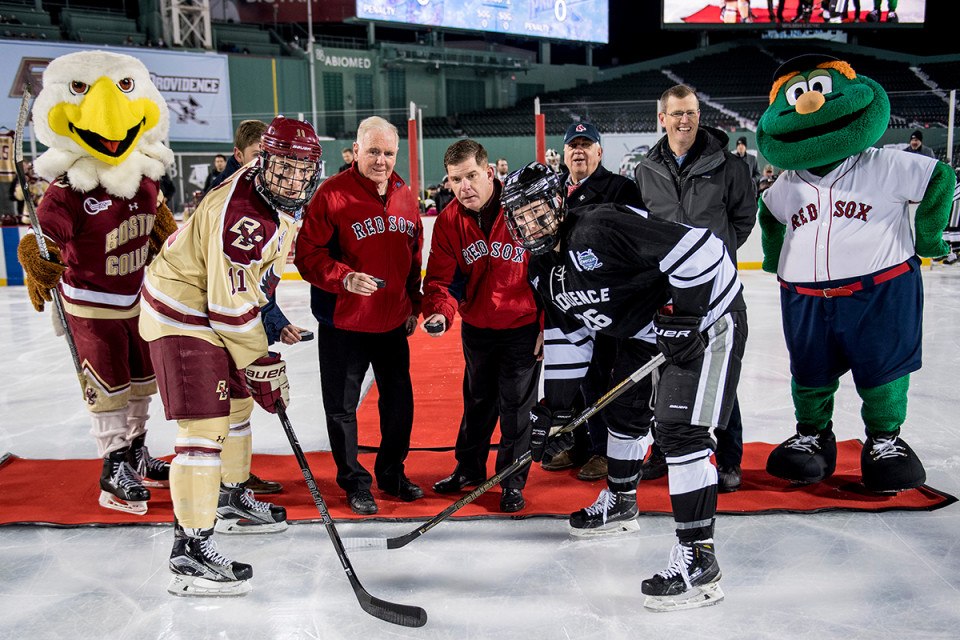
point(581, 130)
point(802, 63)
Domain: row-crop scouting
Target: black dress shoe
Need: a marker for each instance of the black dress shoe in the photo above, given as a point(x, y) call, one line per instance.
point(456, 482)
point(401, 488)
point(512, 500)
point(362, 502)
point(260, 486)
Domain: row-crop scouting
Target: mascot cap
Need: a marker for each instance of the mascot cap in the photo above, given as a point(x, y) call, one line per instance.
point(802, 63)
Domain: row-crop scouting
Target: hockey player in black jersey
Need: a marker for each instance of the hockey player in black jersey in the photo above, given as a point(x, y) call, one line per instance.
point(671, 288)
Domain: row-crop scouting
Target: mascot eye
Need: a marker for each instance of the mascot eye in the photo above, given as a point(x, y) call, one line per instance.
point(795, 88)
point(126, 85)
point(78, 88)
point(820, 81)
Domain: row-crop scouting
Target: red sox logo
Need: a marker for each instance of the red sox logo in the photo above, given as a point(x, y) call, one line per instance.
point(841, 209)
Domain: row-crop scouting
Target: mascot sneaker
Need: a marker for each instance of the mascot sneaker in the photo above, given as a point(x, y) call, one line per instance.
point(808, 457)
point(888, 464)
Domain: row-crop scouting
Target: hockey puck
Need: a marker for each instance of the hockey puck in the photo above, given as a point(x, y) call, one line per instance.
point(381, 283)
point(306, 336)
point(434, 327)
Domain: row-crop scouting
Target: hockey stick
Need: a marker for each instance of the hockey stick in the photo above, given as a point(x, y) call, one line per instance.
point(519, 463)
point(401, 614)
point(38, 232)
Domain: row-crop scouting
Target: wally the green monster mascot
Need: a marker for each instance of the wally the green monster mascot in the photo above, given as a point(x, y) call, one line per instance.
point(836, 231)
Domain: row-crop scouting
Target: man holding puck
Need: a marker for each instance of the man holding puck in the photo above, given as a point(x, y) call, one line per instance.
point(476, 268)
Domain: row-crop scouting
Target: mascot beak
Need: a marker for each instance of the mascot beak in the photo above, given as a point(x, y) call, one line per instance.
point(106, 123)
point(810, 102)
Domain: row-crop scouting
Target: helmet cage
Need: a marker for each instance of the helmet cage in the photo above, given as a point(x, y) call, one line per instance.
point(531, 185)
point(289, 162)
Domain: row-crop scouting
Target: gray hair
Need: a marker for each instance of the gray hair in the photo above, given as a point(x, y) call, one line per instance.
point(375, 123)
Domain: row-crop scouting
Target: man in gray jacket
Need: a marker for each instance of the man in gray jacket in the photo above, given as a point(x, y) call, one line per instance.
point(690, 177)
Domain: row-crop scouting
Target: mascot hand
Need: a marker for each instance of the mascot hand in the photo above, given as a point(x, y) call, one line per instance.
point(39, 275)
point(163, 227)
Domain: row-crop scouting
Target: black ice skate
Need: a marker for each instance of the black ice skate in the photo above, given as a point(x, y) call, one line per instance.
point(692, 580)
point(153, 472)
point(888, 464)
point(808, 457)
point(200, 570)
point(120, 486)
point(239, 512)
point(611, 513)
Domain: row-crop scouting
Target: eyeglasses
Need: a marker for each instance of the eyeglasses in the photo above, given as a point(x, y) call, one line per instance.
point(679, 114)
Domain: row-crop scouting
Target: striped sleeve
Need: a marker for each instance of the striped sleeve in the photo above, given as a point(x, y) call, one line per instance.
point(567, 352)
point(702, 277)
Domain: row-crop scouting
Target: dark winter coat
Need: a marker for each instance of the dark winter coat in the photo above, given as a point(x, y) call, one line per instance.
point(604, 187)
point(713, 189)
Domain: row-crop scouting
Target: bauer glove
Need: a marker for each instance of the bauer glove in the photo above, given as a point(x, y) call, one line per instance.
point(678, 337)
point(542, 420)
point(267, 381)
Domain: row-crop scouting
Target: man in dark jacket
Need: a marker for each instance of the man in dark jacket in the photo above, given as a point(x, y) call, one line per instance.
point(588, 183)
point(689, 177)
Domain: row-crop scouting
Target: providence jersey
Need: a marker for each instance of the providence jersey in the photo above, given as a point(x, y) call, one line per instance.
point(615, 268)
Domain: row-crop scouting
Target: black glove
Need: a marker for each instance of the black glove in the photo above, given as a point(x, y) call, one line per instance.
point(541, 421)
point(679, 338)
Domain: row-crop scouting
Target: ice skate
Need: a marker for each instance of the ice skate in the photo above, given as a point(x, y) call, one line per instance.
point(889, 465)
point(153, 472)
point(239, 512)
point(691, 581)
point(200, 570)
point(808, 457)
point(612, 513)
point(120, 486)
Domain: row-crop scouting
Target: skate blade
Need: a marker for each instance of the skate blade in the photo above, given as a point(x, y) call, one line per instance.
point(110, 501)
point(609, 529)
point(705, 596)
point(190, 586)
point(235, 527)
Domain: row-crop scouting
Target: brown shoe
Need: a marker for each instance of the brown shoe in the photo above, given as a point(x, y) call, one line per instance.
point(258, 485)
point(595, 469)
point(559, 462)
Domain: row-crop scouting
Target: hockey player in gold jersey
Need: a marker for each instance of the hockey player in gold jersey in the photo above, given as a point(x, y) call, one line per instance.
point(201, 316)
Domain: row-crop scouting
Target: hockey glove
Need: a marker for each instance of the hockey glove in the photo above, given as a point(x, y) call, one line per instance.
point(267, 381)
point(542, 421)
point(679, 338)
point(39, 275)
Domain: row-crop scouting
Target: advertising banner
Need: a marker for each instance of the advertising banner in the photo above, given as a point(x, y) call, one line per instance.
point(196, 86)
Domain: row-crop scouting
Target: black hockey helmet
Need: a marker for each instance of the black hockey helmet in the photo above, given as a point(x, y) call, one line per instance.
point(533, 205)
point(289, 164)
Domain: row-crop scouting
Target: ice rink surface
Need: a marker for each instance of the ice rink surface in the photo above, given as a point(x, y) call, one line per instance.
point(837, 575)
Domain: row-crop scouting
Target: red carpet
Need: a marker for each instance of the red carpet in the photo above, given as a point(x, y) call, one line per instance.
point(710, 13)
point(68, 495)
point(436, 368)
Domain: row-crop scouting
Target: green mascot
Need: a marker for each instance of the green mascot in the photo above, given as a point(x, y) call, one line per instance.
point(836, 230)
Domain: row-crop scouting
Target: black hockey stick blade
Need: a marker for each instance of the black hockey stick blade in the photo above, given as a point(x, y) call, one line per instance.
point(392, 612)
point(516, 465)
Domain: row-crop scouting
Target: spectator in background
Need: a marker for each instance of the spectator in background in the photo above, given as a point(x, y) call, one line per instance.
point(502, 169)
point(500, 331)
point(916, 145)
point(554, 162)
point(589, 183)
point(741, 152)
point(246, 147)
point(444, 195)
point(767, 179)
point(347, 154)
point(168, 189)
point(360, 249)
point(690, 177)
point(219, 164)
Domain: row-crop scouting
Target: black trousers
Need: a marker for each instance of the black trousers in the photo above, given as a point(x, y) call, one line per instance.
point(344, 359)
point(499, 382)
